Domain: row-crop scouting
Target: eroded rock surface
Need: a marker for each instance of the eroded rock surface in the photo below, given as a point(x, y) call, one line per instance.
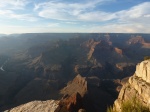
point(37, 106)
point(138, 86)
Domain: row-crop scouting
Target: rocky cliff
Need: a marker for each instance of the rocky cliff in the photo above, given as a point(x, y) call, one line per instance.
point(138, 86)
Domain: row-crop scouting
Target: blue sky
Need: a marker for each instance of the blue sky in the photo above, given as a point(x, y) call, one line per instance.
point(26, 16)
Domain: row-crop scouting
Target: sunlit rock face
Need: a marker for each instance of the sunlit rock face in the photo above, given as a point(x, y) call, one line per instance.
point(138, 86)
point(143, 70)
point(37, 106)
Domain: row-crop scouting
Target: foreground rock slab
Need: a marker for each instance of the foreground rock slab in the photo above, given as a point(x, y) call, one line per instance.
point(37, 106)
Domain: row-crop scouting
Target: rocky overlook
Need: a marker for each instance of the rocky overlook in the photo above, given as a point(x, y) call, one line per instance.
point(138, 86)
point(37, 106)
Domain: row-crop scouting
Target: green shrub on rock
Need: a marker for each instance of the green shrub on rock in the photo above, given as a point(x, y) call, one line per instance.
point(133, 105)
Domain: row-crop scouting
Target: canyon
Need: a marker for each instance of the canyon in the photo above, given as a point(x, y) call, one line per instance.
point(74, 71)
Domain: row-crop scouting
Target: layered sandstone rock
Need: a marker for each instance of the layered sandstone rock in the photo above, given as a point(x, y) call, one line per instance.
point(37, 106)
point(138, 86)
point(143, 70)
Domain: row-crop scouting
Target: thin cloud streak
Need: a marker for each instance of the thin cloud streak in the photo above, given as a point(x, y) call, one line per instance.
point(9, 9)
point(14, 4)
point(9, 14)
point(120, 28)
point(62, 11)
point(66, 11)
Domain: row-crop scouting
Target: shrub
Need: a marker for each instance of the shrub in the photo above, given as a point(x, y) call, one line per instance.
point(131, 106)
point(146, 57)
point(110, 109)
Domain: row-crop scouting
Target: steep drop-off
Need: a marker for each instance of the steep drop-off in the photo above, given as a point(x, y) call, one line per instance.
point(138, 87)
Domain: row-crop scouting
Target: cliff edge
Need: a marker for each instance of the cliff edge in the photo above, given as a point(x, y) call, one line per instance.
point(138, 86)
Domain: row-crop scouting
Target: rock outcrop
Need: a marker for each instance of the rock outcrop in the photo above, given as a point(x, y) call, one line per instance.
point(85, 93)
point(138, 86)
point(37, 106)
point(119, 51)
point(73, 94)
point(78, 85)
point(135, 40)
point(138, 40)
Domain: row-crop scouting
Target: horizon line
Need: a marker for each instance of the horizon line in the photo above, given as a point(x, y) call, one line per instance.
point(72, 33)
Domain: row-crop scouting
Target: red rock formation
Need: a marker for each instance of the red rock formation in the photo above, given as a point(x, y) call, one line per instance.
point(71, 103)
point(91, 45)
point(73, 94)
point(146, 45)
point(119, 51)
point(79, 84)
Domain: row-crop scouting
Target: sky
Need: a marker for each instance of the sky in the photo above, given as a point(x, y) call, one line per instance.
point(74, 16)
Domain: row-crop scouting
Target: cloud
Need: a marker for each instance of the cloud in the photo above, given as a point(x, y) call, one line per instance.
point(135, 19)
point(97, 16)
point(87, 12)
point(13, 4)
point(26, 17)
point(147, 15)
point(12, 9)
point(68, 11)
point(139, 13)
point(37, 29)
point(83, 16)
point(9, 14)
point(132, 20)
point(70, 22)
point(53, 25)
point(120, 28)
